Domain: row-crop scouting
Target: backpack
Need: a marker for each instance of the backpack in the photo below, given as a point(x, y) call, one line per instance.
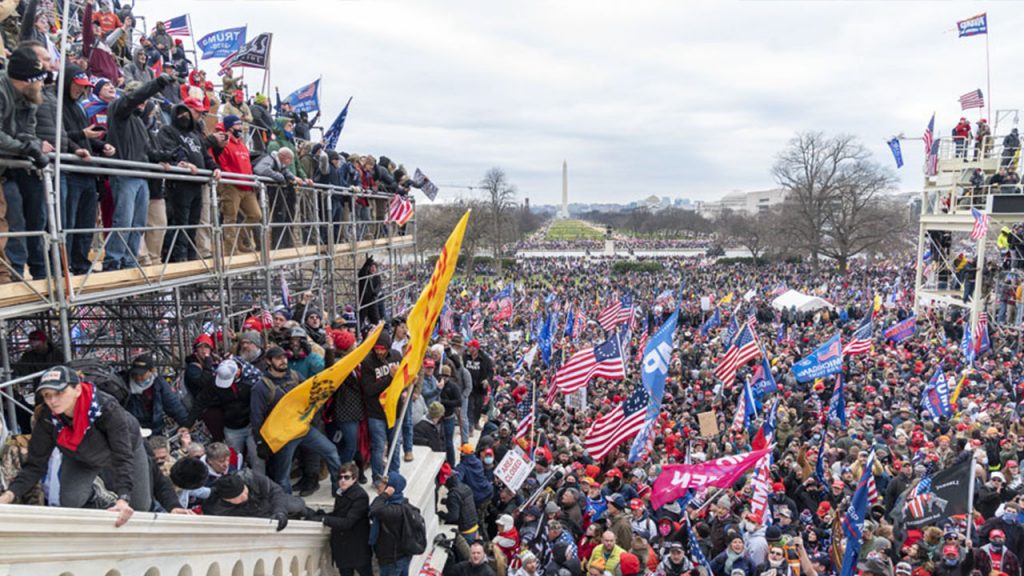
point(102, 376)
point(414, 531)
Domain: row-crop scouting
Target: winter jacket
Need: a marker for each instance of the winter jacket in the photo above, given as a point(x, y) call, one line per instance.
point(185, 143)
point(32, 361)
point(267, 394)
point(348, 400)
point(269, 166)
point(154, 404)
point(1009, 563)
point(308, 365)
point(234, 158)
point(234, 401)
point(75, 121)
point(46, 121)
point(111, 442)
point(387, 513)
point(472, 471)
point(138, 69)
point(742, 563)
point(126, 131)
point(461, 510)
point(375, 376)
point(17, 121)
point(281, 140)
point(426, 433)
point(350, 528)
point(102, 61)
point(480, 369)
point(266, 499)
point(451, 397)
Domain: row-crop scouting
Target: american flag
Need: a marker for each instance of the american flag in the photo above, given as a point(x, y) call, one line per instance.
point(603, 360)
point(743, 349)
point(621, 423)
point(929, 135)
point(980, 228)
point(761, 488)
point(918, 498)
point(619, 311)
point(932, 162)
point(973, 99)
point(981, 339)
point(178, 26)
point(478, 324)
point(285, 297)
point(746, 408)
point(400, 210)
point(524, 411)
point(640, 347)
point(861, 341)
point(446, 319)
point(695, 552)
point(752, 317)
point(873, 498)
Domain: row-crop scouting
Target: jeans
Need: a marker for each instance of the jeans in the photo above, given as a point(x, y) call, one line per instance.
point(26, 212)
point(1020, 313)
point(131, 204)
point(346, 437)
point(449, 440)
point(464, 420)
point(380, 441)
point(1001, 313)
point(399, 568)
point(242, 440)
point(78, 203)
point(362, 215)
point(407, 429)
point(280, 466)
point(363, 571)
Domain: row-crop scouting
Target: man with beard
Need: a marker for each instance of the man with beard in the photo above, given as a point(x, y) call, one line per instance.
point(481, 370)
point(377, 369)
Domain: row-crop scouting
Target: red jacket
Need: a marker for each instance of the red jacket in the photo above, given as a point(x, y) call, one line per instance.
point(234, 158)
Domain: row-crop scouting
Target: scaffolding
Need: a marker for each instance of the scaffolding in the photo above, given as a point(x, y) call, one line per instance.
point(956, 267)
point(299, 245)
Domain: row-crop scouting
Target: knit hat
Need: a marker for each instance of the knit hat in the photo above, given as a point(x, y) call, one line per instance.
point(189, 473)
point(435, 411)
point(99, 85)
point(629, 564)
point(230, 486)
point(261, 98)
point(230, 120)
point(24, 65)
point(343, 339)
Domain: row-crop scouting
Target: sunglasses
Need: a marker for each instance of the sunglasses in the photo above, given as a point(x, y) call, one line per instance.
point(345, 477)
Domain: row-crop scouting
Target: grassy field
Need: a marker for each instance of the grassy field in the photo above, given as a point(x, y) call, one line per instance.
point(573, 230)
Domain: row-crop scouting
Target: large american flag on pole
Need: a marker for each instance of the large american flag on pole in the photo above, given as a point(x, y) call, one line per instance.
point(619, 311)
point(178, 26)
point(861, 341)
point(931, 149)
point(973, 99)
point(400, 210)
point(604, 360)
point(621, 423)
point(744, 348)
point(981, 221)
point(918, 498)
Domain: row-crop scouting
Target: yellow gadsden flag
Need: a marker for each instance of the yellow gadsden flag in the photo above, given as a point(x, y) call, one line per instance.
point(422, 318)
point(291, 417)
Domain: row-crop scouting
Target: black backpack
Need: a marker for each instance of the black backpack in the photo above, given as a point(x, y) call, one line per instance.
point(414, 531)
point(102, 376)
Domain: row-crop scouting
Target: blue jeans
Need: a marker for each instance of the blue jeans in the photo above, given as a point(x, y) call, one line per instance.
point(380, 440)
point(26, 212)
point(449, 440)
point(407, 430)
point(362, 215)
point(399, 568)
point(464, 420)
point(280, 466)
point(78, 199)
point(345, 436)
point(131, 205)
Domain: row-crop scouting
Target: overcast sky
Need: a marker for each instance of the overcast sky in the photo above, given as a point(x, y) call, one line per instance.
point(673, 98)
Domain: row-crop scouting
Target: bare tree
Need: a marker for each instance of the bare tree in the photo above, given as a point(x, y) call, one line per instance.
point(501, 199)
point(749, 231)
point(860, 218)
point(436, 222)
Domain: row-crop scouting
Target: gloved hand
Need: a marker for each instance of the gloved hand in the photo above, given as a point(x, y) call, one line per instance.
point(282, 520)
point(165, 80)
point(262, 450)
point(39, 159)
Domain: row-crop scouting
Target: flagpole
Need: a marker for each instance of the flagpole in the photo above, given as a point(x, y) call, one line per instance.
point(988, 71)
point(970, 501)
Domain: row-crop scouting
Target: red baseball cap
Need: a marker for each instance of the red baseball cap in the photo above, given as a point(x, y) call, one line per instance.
point(428, 362)
point(638, 504)
point(778, 487)
point(951, 549)
point(614, 473)
point(473, 343)
point(195, 104)
point(996, 532)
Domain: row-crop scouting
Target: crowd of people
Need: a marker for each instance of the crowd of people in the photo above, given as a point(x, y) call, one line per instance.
point(133, 94)
point(573, 513)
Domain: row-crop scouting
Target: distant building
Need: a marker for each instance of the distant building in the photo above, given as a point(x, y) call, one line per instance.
point(750, 203)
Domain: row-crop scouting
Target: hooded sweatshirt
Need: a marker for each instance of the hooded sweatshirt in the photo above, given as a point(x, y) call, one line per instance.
point(285, 140)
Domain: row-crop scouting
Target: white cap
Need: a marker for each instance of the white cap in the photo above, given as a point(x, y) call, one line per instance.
point(226, 372)
point(505, 520)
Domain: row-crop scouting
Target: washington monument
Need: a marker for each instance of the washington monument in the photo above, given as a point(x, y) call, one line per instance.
point(564, 213)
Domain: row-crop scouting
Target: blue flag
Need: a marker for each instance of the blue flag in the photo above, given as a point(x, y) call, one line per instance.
point(544, 340)
point(853, 521)
point(935, 398)
point(570, 321)
point(222, 43)
point(902, 330)
point(973, 26)
point(762, 382)
point(967, 344)
point(770, 422)
point(819, 468)
point(826, 360)
point(714, 321)
point(334, 131)
point(894, 145)
point(657, 355)
point(306, 98)
point(730, 333)
point(837, 405)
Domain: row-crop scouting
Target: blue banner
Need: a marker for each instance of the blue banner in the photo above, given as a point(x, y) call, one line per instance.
point(894, 145)
point(763, 382)
point(826, 360)
point(902, 330)
point(334, 131)
point(222, 43)
point(837, 405)
point(852, 522)
point(973, 26)
point(935, 398)
point(305, 99)
point(657, 355)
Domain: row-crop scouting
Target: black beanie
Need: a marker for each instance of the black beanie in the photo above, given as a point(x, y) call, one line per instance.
point(189, 473)
point(25, 65)
point(230, 486)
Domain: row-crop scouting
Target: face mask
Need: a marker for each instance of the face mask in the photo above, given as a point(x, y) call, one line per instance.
point(289, 134)
point(1010, 517)
point(236, 133)
point(183, 122)
point(997, 545)
point(488, 460)
point(664, 529)
point(952, 561)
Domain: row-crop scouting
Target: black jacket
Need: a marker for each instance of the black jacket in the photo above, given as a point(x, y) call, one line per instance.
point(75, 121)
point(451, 397)
point(374, 378)
point(390, 516)
point(184, 144)
point(480, 368)
point(32, 361)
point(46, 122)
point(350, 528)
point(266, 499)
point(111, 442)
point(426, 433)
point(235, 401)
point(126, 131)
point(460, 504)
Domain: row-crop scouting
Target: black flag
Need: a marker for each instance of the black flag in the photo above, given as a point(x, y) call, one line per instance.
point(950, 495)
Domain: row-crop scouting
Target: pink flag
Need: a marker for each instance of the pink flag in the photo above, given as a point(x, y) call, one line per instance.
point(676, 479)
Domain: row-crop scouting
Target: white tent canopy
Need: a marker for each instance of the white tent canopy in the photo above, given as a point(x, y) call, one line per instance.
point(803, 302)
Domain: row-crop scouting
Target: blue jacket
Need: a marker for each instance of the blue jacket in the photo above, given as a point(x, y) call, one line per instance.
point(163, 400)
point(307, 367)
point(472, 471)
point(429, 390)
point(742, 563)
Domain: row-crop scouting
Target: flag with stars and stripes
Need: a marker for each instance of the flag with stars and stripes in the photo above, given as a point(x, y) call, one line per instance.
point(178, 26)
point(982, 343)
point(919, 496)
point(837, 405)
point(860, 343)
point(853, 520)
point(696, 554)
point(619, 311)
point(524, 410)
point(604, 360)
point(967, 344)
point(620, 424)
point(973, 99)
point(981, 221)
point(746, 409)
point(744, 348)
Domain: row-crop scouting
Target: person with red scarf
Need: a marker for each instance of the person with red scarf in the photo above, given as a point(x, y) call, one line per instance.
point(96, 438)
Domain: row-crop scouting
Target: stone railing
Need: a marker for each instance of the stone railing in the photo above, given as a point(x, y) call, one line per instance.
point(38, 541)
